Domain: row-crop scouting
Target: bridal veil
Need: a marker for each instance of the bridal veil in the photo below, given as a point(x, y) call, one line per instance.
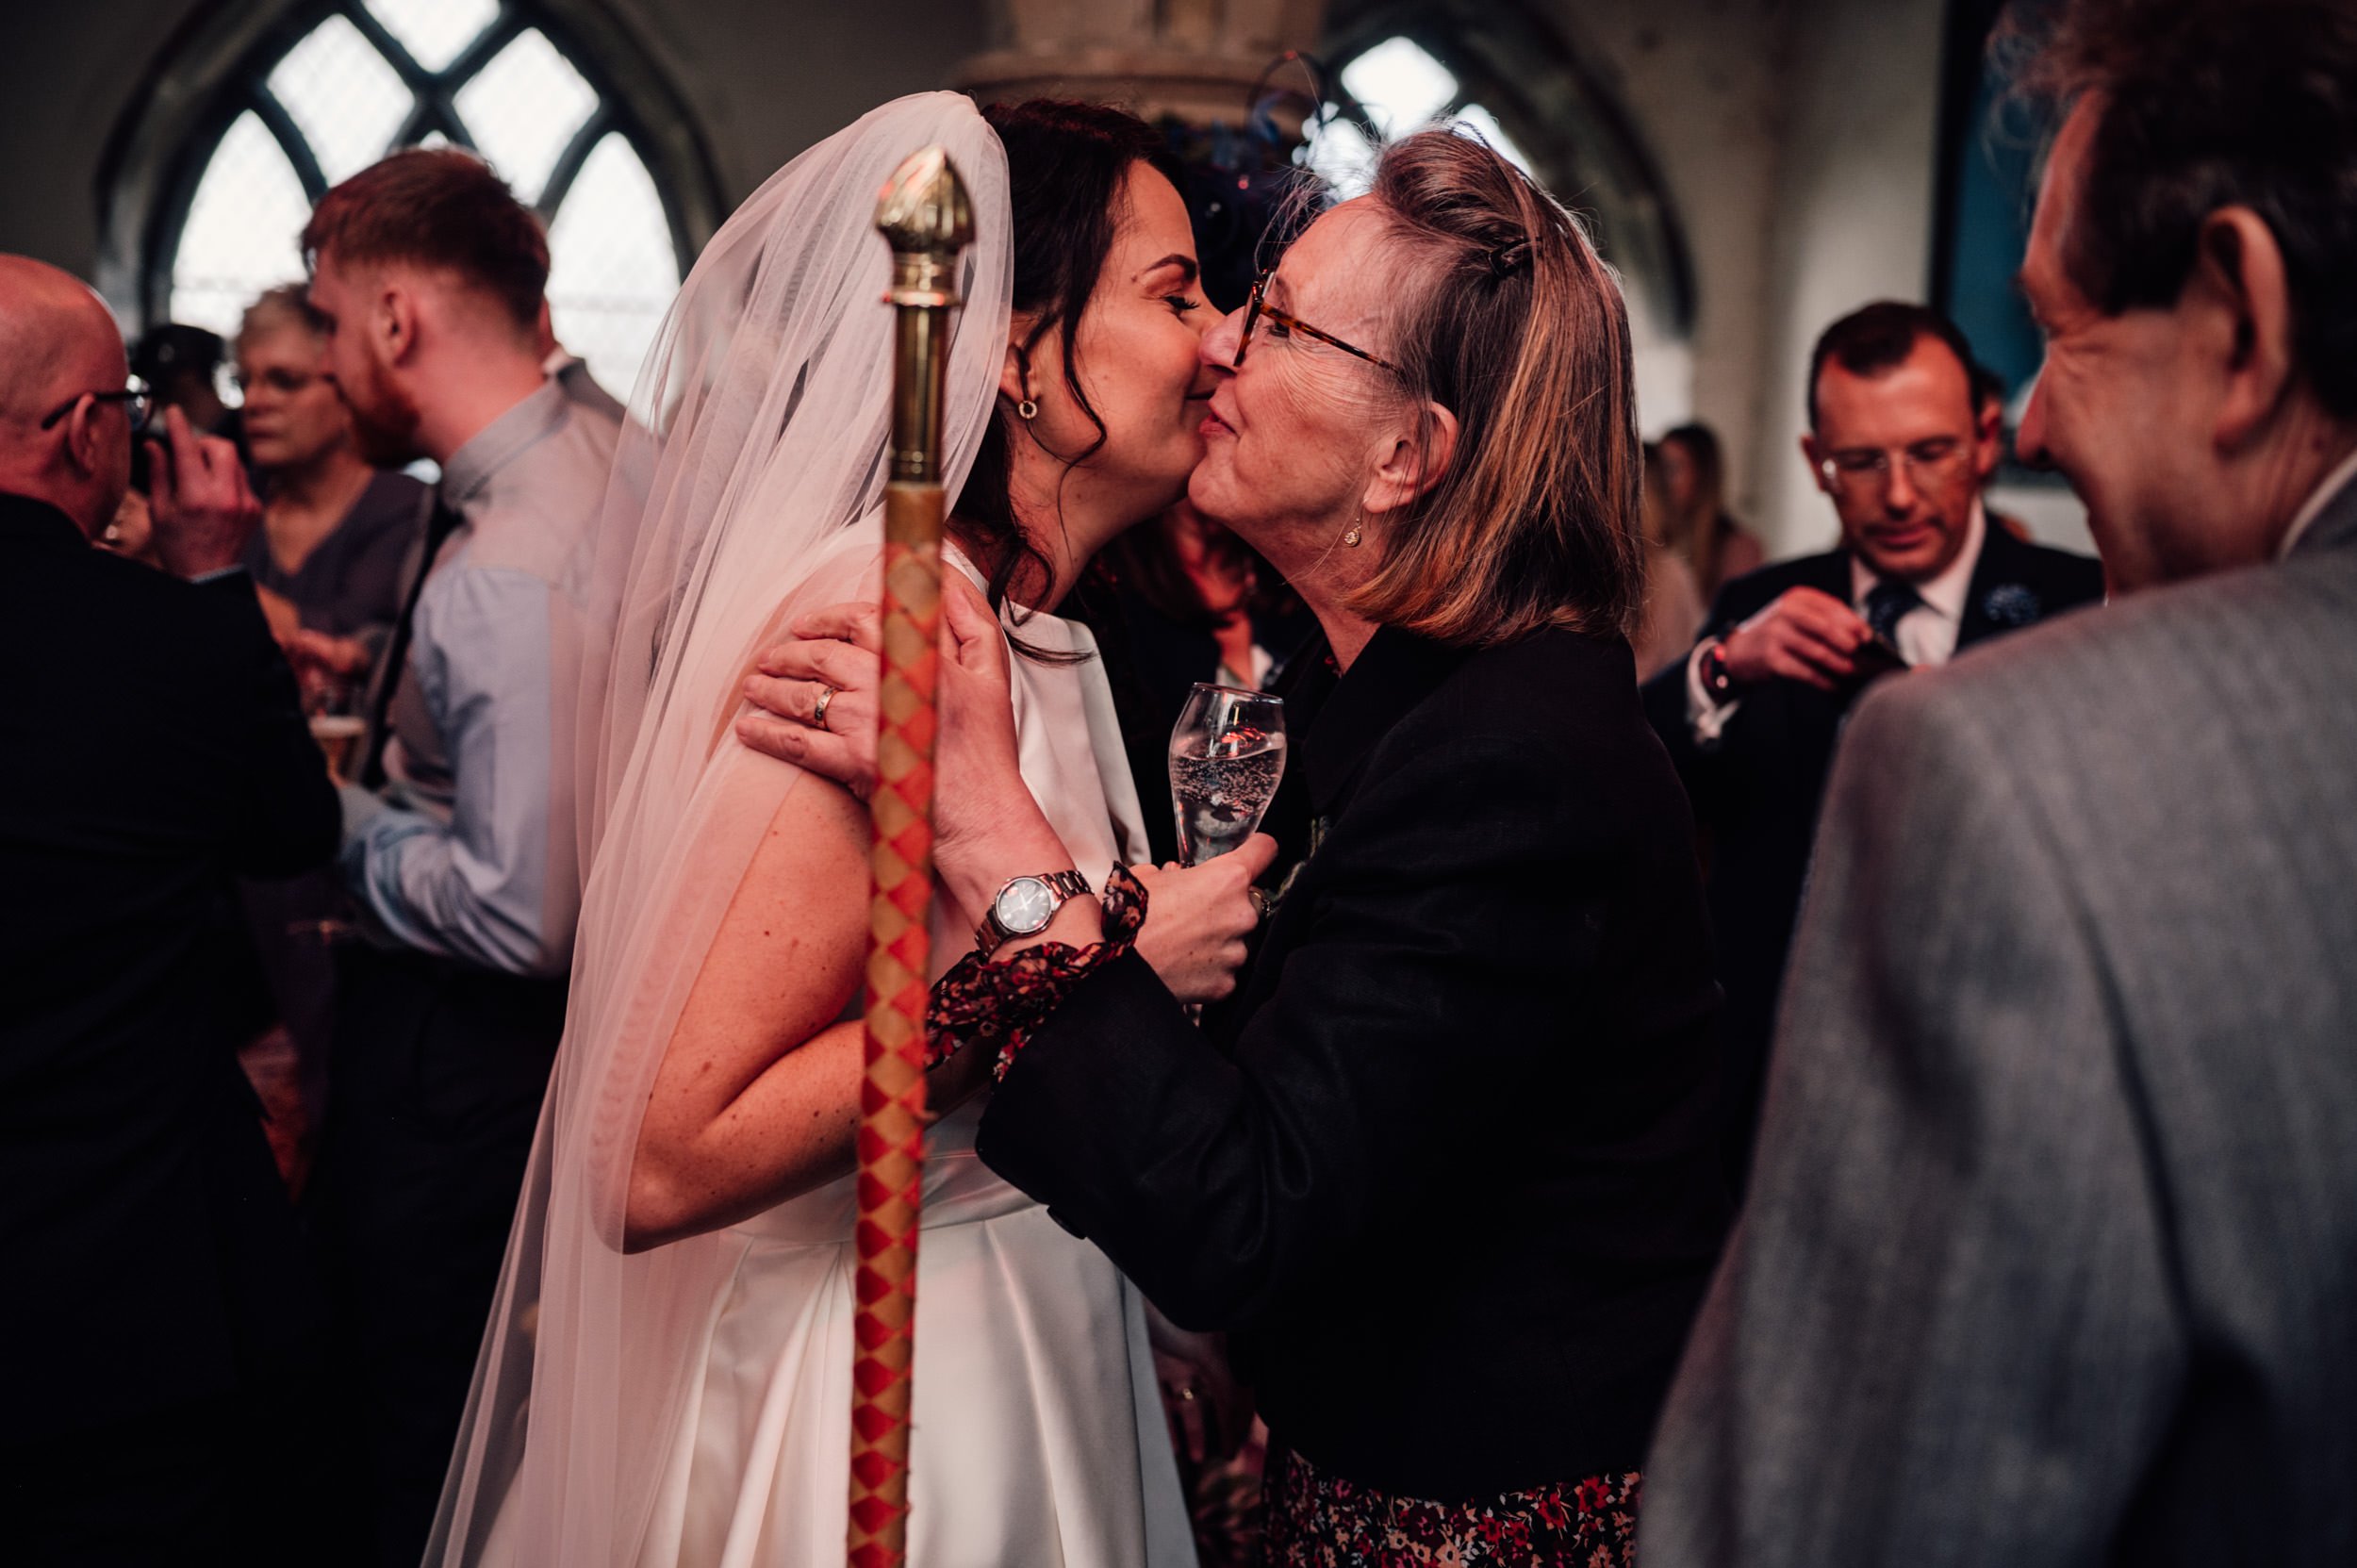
point(752, 470)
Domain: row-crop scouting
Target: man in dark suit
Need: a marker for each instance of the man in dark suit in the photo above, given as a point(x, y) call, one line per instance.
point(2050, 1251)
point(157, 1324)
point(1901, 445)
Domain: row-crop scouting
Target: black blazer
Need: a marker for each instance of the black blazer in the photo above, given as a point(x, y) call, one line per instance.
point(1444, 1166)
point(151, 749)
point(1757, 792)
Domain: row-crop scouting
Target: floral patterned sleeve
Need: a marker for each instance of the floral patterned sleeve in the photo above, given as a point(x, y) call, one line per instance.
point(999, 1004)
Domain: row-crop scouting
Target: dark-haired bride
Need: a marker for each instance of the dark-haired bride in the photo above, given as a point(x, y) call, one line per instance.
point(666, 1377)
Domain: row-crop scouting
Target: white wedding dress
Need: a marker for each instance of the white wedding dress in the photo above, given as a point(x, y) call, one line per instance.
point(689, 1406)
point(1039, 1438)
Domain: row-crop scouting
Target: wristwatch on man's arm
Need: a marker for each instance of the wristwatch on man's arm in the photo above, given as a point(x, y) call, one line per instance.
point(1025, 906)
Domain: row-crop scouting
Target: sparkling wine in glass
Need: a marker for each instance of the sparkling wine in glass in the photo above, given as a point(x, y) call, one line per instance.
point(1227, 754)
point(332, 707)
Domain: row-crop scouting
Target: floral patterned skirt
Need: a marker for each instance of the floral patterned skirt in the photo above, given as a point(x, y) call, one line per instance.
point(1320, 1521)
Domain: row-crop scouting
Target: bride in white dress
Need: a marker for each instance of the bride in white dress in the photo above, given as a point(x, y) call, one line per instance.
point(665, 1378)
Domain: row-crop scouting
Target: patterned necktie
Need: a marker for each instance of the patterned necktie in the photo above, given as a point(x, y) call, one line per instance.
point(1887, 602)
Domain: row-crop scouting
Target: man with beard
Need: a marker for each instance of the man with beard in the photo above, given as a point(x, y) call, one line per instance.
point(459, 845)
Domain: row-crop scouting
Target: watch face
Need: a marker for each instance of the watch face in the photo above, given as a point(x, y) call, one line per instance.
point(1025, 905)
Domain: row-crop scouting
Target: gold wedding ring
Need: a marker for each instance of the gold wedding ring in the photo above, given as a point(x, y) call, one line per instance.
point(819, 709)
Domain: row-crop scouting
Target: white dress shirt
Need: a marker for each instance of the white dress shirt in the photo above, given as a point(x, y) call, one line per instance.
point(1926, 635)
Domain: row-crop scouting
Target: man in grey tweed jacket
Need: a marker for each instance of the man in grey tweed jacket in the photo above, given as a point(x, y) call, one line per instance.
point(2050, 1248)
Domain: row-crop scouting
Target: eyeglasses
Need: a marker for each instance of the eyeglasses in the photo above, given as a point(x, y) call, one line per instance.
point(1259, 307)
point(136, 398)
point(1926, 462)
point(285, 383)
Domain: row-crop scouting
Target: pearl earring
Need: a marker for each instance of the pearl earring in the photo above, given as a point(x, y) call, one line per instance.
point(1027, 410)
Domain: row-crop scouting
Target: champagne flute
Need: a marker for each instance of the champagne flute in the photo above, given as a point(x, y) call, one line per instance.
point(1227, 754)
point(333, 704)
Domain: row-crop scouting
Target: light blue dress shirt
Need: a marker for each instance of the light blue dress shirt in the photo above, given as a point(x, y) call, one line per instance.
point(470, 853)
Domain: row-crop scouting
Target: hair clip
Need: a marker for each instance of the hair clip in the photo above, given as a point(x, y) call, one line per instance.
point(1510, 259)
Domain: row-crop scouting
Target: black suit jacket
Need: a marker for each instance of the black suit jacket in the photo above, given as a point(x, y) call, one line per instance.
point(151, 749)
point(1444, 1166)
point(1757, 792)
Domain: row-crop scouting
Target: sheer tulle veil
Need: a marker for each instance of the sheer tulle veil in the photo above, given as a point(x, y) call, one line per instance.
point(747, 482)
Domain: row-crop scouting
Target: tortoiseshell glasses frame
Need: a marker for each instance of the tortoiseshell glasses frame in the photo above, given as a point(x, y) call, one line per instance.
point(1258, 306)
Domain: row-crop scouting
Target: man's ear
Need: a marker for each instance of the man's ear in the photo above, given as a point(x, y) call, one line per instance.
point(2238, 303)
point(1813, 454)
point(85, 448)
point(1416, 459)
point(1988, 438)
point(394, 320)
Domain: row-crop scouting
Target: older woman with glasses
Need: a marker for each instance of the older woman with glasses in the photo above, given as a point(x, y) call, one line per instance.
point(1443, 1165)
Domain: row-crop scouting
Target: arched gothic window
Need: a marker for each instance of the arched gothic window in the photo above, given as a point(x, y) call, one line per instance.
point(333, 85)
point(1484, 67)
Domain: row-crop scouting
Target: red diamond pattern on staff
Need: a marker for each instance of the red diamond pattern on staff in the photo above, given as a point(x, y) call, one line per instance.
point(892, 1095)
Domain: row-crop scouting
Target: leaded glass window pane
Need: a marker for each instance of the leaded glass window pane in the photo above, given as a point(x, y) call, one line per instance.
point(1400, 86)
point(240, 238)
point(436, 32)
point(346, 100)
point(524, 108)
point(613, 269)
point(614, 265)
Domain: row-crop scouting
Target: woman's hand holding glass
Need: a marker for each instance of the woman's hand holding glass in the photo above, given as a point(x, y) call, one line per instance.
point(1197, 919)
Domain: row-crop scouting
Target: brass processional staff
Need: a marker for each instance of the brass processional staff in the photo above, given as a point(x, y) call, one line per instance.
point(925, 215)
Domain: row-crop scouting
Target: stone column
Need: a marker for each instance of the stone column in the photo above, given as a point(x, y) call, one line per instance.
point(1195, 59)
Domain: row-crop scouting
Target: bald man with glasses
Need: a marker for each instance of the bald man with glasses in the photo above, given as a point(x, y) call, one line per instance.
point(158, 1325)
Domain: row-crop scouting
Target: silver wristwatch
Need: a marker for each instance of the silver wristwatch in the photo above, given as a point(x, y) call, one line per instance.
point(1024, 907)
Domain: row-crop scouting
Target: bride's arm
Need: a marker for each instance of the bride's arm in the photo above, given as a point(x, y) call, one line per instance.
point(757, 1095)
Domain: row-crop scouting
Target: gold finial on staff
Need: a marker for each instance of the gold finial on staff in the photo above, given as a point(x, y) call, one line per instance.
point(925, 215)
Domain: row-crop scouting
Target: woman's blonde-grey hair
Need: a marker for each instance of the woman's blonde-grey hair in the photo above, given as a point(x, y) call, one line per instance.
point(1514, 324)
point(277, 310)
